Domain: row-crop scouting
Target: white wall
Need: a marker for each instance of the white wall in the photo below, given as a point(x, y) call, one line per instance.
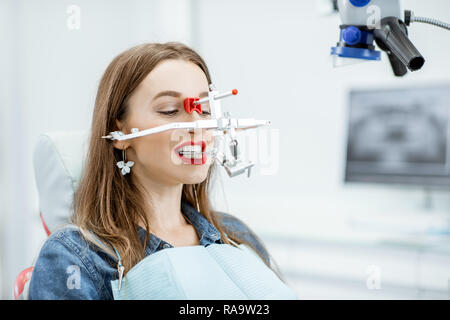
point(275, 52)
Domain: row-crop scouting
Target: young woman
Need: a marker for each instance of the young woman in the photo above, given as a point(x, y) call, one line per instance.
point(141, 196)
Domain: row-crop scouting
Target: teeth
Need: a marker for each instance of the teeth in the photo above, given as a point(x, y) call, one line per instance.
point(196, 156)
point(190, 155)
point(194, 148)
point(192, 151)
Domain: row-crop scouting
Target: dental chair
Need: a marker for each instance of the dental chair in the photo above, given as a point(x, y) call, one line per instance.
point(58, 160)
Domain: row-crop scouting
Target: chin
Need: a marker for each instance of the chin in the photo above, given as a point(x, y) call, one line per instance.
point(197, 175)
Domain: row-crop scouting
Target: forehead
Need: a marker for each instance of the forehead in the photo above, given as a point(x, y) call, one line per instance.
point(176, 75)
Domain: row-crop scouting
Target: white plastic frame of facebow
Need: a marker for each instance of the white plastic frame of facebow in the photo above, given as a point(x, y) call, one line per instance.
point(221, 124)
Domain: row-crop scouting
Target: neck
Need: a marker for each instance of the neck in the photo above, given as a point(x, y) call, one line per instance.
point(164, 206)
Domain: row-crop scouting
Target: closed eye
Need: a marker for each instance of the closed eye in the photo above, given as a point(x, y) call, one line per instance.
point(168, 113)
point(172, 112)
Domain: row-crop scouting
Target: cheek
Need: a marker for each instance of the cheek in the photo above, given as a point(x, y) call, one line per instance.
point(156, 151)
point(152, 150)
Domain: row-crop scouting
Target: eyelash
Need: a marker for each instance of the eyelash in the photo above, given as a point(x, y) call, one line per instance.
point(168, 113)
point(172, 112)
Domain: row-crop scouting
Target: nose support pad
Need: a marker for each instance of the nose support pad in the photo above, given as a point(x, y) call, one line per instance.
point(189, 105)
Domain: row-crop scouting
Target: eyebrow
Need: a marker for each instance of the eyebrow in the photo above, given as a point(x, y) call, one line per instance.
point(175, 94)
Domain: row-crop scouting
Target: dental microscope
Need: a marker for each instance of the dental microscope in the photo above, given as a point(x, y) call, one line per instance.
point(383, 22)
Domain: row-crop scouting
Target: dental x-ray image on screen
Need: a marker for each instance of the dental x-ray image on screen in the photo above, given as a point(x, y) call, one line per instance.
point(399, 136)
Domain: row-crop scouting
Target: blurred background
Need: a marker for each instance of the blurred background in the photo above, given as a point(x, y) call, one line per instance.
point(352, 203)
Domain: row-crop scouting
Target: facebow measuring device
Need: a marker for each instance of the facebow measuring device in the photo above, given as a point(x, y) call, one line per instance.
point(224, 127)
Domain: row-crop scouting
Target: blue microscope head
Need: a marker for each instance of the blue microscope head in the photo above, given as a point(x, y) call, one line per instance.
point(365, 22)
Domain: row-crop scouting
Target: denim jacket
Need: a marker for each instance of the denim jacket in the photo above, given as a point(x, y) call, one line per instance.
point(70, 268)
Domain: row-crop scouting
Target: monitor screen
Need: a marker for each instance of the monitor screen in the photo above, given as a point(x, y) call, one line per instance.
point(399, 136)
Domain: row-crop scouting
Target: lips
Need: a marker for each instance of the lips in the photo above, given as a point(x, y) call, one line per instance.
point(189, 152)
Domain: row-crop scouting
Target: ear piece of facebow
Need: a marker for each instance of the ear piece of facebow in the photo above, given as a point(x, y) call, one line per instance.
point(189, 105)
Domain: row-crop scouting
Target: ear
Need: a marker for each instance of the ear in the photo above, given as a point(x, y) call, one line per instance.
point(121, 145)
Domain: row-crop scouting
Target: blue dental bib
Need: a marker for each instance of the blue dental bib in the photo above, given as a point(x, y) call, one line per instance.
point(218, 271)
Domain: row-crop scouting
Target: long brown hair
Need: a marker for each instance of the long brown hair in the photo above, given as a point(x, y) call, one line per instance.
point(109, 205)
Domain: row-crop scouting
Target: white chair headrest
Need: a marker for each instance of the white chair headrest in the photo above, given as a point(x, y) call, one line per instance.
point(58, 161)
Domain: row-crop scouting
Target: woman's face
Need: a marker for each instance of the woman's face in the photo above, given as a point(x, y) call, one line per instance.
point(159, 100)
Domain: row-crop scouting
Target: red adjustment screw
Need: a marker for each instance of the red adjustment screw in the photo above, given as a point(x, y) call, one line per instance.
point(189, 105)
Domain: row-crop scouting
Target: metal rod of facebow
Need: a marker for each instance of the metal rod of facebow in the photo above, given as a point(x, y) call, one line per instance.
point(217, 97)
point(206, 124)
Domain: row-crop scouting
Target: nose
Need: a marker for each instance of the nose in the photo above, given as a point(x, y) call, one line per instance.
point(194, 116)
point(194, 113)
